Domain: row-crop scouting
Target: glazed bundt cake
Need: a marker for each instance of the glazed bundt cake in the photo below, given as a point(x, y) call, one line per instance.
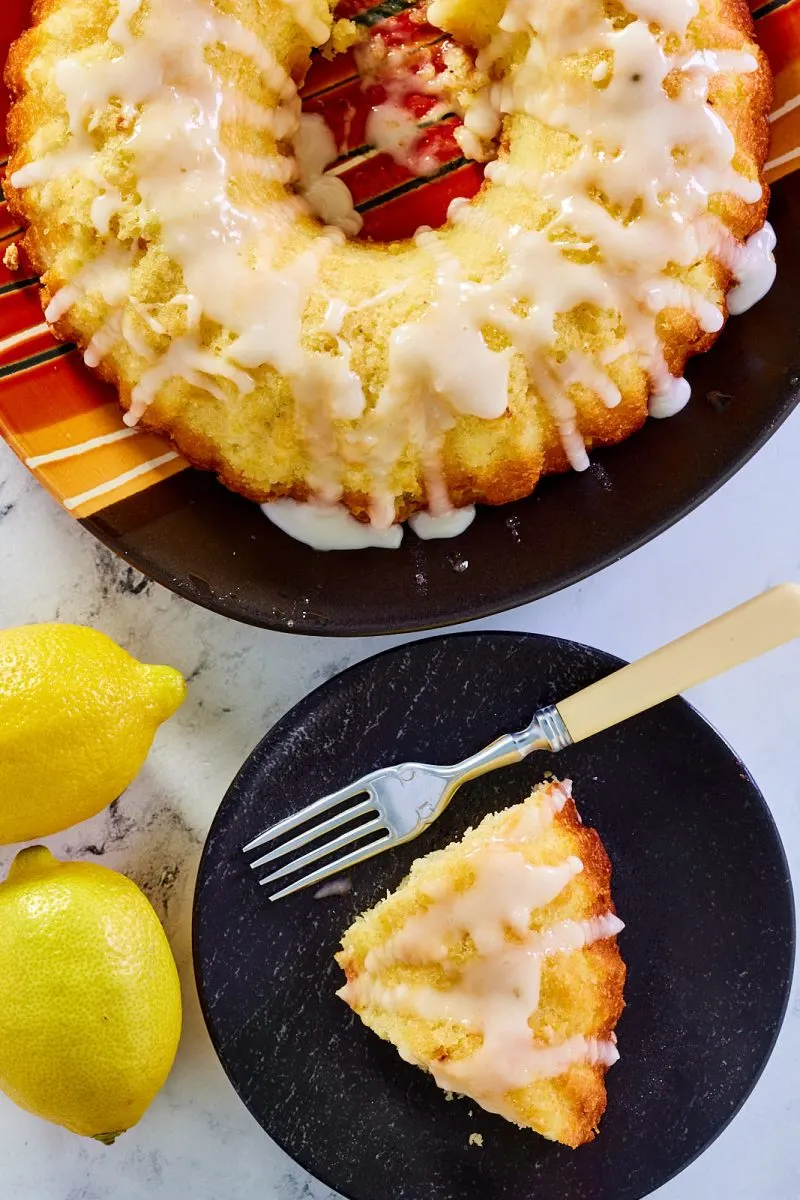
point(495, 966)
point(154, 164)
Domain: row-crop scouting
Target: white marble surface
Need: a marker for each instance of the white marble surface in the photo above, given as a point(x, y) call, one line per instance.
point(197, 1140)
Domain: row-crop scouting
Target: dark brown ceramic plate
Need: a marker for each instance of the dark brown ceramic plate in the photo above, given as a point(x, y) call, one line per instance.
point(211, 546)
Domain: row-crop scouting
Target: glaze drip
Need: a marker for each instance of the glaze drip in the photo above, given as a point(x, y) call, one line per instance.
point(332, 527)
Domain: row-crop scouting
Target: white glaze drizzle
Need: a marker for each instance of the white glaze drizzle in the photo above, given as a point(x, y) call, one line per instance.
point(329, 527)
point(754, 268)
point(496, 991)
point(505, 892)
point(314, 149)
point(628, 132)
point(450, 524)
point(332, 527)
point(673, 16)
point(391, 128)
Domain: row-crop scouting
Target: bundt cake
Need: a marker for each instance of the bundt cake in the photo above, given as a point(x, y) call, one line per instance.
point(154, 163)
point(495, 966)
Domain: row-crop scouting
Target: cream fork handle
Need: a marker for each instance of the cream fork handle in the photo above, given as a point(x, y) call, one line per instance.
point(751, 629)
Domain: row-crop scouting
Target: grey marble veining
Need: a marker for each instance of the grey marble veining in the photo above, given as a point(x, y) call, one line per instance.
point(197, 1140)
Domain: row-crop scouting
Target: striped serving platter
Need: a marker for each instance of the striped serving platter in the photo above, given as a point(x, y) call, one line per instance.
point(65, 424)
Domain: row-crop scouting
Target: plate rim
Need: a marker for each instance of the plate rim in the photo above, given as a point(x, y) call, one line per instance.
point(306, 701)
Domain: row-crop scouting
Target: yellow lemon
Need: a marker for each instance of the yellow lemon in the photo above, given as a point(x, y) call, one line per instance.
point(77, 718)
point(90, 1003)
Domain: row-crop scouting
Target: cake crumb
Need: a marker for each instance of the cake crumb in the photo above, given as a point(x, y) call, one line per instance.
point(337, 887)
point(344, 35)
point(476, 1139)
point(448, 1095)
point(11, 257)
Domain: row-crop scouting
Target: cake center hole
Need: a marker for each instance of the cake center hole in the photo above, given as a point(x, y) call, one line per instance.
point(382, 148)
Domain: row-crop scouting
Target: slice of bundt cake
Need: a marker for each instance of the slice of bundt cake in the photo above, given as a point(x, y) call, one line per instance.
point(495, 966)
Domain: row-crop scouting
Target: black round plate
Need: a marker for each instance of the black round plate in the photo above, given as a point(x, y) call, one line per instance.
point(215, 548)
point(699, 876)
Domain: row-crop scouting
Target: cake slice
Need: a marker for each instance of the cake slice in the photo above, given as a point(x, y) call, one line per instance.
point(495, 966)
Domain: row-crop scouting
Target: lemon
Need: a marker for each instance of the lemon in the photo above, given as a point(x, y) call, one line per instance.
point(77, 718)
point(90, 1003)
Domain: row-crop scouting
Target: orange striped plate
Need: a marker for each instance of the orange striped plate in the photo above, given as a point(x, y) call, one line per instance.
point(65, 424)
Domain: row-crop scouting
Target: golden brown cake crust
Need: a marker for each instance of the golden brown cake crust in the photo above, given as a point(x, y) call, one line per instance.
point(486, 461)
point(581, 991)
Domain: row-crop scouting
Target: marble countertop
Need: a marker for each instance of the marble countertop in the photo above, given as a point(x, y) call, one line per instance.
point(197, 1139)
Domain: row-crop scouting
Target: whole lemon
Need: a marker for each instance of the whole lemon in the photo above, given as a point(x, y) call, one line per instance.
point(90, 1003)
point(77, 718)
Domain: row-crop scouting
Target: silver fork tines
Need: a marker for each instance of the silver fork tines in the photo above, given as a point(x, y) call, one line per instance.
point(400, 802)
point(335, 868)
point(338, 843)
point(316, 831)
point(308, 813)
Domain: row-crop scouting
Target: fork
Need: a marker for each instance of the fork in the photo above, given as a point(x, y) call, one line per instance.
point(399, 802)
